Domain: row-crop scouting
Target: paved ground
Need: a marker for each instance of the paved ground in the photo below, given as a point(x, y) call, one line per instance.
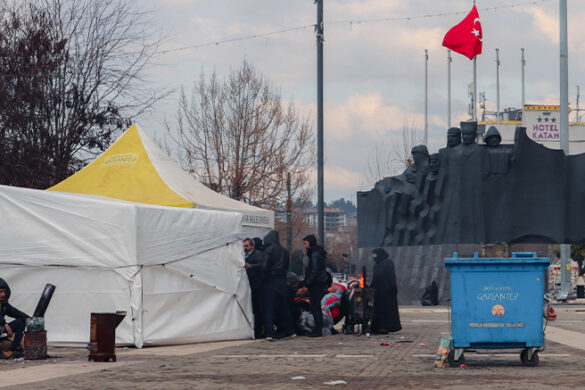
point(361, 362)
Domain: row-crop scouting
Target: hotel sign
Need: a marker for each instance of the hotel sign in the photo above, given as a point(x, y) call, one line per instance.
point(542, 122)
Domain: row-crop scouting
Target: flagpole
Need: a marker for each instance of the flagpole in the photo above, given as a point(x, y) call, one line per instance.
point(523, 85)
point(474, 108)
point(426, 133)
point(449, 88)
point(474, 84)
point(498, 85)
point(466, 38)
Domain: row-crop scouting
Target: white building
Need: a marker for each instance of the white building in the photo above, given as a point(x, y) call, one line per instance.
point(334, 219)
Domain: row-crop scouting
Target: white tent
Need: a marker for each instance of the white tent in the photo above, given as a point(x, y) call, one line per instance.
point(177, 272)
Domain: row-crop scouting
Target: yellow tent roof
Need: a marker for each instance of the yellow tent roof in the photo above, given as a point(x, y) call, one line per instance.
point(124, 171)
point(135, 169)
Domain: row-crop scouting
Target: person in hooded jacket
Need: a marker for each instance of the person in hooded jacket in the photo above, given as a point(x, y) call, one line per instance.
point(316, 280)
point(15, 328)
point(276, 291)
point(386, 317)
point(258, 245)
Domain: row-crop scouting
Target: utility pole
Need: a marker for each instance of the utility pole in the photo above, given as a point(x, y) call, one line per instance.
point(319, 32)
point(482, 105)
point(578, 119)
point(566, 282)
point(288, 214)
point(347, 255)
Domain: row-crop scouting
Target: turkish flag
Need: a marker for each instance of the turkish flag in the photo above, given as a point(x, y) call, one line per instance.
point(465, 38)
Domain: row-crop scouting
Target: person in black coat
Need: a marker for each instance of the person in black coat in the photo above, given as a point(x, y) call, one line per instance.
point(386, 317)
point(276, 293)
point(315, 280)
point(255, 264)
point(258, 244)
point(15, 328)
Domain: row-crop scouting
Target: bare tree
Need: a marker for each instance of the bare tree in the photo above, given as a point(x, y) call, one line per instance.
point(379, 163)
point(385, 162)
point(298, 220)
point(239, 138)
point(70, 79)
point(402, 151)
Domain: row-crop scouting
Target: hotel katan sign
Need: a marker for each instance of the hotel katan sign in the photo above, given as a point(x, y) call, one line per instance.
point(542, 122)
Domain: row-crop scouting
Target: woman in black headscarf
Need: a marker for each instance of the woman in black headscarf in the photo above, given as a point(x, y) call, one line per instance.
point(386, 318)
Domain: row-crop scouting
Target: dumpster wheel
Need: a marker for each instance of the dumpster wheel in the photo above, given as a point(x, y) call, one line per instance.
point(453, 361)
point(527, 360)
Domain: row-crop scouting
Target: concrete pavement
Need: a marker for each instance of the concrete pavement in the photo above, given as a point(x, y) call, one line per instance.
point(401, 360)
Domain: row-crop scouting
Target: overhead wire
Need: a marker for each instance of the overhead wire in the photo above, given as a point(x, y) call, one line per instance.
point(408, 18)
point(235, 39)
point(348, 22)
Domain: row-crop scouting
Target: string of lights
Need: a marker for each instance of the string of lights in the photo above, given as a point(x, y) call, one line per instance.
point(350, 23)
point(237, 39)
point(409, 18)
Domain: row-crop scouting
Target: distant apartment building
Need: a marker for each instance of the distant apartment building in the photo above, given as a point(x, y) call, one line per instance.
point(334, 219)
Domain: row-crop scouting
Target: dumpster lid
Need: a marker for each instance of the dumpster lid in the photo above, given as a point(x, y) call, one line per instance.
point(497, 261)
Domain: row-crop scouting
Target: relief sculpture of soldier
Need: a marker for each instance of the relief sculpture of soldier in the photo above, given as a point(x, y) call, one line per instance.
point(462, 167)
point(402, 198)
point(474, 170)
point(500, 159)
point(446, 167)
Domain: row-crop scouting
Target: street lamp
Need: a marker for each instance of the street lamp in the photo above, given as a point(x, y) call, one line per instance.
point(347, 255)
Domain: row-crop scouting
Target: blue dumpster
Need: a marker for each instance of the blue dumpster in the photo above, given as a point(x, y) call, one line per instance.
point(497, 303)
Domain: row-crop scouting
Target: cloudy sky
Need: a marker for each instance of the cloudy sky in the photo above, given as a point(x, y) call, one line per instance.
point(373, 64)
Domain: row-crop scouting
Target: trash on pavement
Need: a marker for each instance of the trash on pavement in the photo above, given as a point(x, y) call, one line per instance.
point(333, 383)
point(444, 347)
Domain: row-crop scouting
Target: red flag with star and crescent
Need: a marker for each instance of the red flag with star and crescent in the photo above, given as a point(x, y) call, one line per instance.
point(465, 38)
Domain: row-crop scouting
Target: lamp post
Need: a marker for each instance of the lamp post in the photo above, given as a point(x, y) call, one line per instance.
point(320, 198)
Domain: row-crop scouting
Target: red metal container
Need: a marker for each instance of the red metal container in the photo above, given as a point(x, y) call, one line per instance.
point(35, 345)
point(102, 340)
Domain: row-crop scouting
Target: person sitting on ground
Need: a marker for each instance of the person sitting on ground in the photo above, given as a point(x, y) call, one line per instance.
point(15, 328)
point(296, 306)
